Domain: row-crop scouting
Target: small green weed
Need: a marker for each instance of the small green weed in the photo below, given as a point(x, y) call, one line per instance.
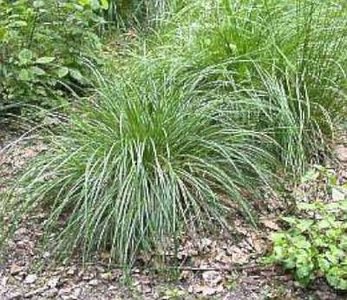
point(315, 245)
point(174, 294)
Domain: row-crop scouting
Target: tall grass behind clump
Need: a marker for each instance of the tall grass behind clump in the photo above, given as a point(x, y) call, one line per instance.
point(268, 107)
point(306, 37)
point(299, 46)
point(286, 116)
point(146, 159)
point(303, 39)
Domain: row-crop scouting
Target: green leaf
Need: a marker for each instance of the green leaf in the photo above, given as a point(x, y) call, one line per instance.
point(306, 206)
point(104, 4)
point(41, 91)
point(25, 75)
point(95, 4)
point(336, 277)
point(45, 60)
point(84, 2)
point(289, 263)
point(290, 220)
point(278, 236)
point(323, 263)
point(38, 71)
point(311, 175)
point(38, 4)
point(332, 180)
point(3, 32)
point(18, 24)
point(77, 75)
point(62, 72)
point(323, 224)
point(25, 56)
point(340, 205)
point(304, 225)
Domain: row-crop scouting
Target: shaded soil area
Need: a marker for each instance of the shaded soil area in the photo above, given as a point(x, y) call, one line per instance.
point(208, 266)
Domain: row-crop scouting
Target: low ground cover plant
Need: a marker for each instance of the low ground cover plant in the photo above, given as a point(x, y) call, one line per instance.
point(315, 243)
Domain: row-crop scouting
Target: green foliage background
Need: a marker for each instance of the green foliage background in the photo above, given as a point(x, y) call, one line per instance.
point(45, 47)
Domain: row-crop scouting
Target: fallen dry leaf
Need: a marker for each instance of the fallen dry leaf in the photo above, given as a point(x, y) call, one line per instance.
point(205, 290)
point(31, 278)
point(212, 278)
point(270, 223)
point(341, 153)
point(15, 269)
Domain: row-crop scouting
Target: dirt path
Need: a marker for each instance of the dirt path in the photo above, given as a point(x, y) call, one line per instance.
point(213, 267)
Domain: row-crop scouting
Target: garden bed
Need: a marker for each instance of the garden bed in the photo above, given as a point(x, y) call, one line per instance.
point(206, 266)
point(173, 149)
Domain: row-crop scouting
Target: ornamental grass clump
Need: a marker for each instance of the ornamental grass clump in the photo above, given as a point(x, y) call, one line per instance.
point(137, 164)
point(289, 56)
point(301, 46)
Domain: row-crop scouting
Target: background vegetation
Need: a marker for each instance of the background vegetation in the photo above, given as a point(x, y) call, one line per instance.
point(45, 49)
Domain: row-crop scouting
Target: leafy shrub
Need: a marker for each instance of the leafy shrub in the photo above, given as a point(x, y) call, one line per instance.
point(43, 45)
point(139, 164)
point(315, 244)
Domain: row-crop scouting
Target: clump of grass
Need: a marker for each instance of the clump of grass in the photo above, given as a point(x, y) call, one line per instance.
point(302, 44)
point(295, 47)
point(140, 163)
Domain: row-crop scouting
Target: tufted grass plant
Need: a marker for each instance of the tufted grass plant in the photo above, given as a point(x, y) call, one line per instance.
point(295, 122)
point(289, 57)
point(142, 161)
point(295, 52)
